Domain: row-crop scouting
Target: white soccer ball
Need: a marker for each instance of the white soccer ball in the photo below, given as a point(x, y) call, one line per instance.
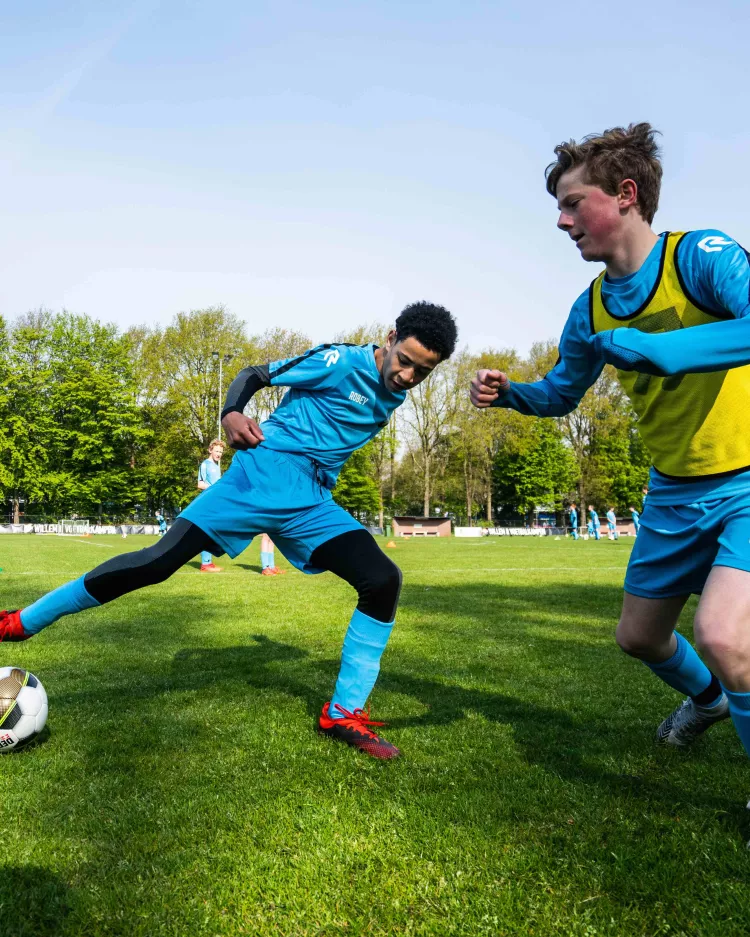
point(23, 707)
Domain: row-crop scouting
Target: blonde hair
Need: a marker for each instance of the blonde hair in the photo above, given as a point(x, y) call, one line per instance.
point(215, 442)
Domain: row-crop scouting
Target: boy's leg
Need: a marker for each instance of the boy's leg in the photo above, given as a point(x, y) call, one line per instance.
point(646, 631)
point(355, 557)
point(266, 553)
point(119, 575)
point(722, 632)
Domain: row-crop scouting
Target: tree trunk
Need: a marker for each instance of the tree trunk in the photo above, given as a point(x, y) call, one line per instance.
point(16, 511)
point(427, 491)
point(489, 501)
point(381, 518)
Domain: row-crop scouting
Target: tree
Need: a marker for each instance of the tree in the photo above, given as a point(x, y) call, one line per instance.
point(535, 467)
point(72, 424)
point(356, 490)
point(178, 377)
point(429, 413)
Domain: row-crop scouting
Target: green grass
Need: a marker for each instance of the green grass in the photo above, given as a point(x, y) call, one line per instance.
point(182, 791)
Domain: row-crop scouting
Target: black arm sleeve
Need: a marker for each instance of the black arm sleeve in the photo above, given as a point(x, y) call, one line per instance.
point(248, 382)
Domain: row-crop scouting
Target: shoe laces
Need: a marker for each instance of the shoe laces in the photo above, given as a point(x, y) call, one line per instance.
point(359, 715)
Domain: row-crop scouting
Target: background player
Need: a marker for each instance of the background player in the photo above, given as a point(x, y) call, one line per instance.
point(691, 391)
point(209, 473)
point(636, 520)
point(573, 517)
point(594, 523)
point(268, 565)
point(612, 525)
point(280, 483)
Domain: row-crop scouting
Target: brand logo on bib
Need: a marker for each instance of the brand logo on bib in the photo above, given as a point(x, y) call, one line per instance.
point(713, 243)
point(331, 357)
point(358, 398)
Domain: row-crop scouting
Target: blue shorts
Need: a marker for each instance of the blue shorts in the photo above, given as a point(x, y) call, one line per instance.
point(677, 545)
point(270, 492)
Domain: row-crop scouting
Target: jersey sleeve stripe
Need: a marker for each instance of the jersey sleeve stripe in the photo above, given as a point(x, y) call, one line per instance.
point(293, 362)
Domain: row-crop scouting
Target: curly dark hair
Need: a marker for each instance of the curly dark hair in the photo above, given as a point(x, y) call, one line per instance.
point(620, 153)
point(432, 326)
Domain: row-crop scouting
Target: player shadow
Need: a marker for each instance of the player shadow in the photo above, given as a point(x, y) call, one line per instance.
point(33, 901)
point(250, 567)
point(493, 604)
point(549, 738)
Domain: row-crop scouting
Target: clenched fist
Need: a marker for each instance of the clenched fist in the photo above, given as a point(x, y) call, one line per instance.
point(487, 387)
point(242, 432)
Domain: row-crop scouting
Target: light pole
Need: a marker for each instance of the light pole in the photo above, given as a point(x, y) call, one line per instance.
point(222, 359)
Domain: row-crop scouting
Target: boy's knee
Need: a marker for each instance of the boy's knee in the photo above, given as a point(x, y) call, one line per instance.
point(635, 643)
point(379, 591)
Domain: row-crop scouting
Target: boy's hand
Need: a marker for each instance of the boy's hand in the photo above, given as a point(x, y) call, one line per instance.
point(242, 432)
point(487, 387)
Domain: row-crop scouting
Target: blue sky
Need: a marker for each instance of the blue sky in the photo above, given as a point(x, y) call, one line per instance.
point(319, 165)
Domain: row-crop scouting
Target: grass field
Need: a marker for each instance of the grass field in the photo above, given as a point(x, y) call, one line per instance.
point(181, 789)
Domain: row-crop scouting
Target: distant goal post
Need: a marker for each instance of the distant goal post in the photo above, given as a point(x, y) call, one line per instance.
point(73, 527)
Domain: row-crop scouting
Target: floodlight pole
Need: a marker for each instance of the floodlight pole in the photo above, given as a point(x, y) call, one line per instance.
point(222, 359)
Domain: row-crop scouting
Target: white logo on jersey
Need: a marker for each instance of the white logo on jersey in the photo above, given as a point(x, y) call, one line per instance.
point(713, 243)
point(331, 356)
point(358, 398)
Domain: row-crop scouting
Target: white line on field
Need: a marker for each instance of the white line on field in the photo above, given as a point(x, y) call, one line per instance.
point(104, 546)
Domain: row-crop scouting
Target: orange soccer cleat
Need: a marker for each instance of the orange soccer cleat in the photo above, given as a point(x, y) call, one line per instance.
point(354, 729)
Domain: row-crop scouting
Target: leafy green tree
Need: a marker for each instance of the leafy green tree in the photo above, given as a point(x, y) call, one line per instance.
point(72, 424)
point(535, 467)
point(356, 490)
point(180, 396)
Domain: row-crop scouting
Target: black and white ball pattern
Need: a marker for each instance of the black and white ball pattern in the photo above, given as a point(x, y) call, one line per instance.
point(23, 707)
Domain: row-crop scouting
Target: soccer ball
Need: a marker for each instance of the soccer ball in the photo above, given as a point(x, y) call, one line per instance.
point(23, 707)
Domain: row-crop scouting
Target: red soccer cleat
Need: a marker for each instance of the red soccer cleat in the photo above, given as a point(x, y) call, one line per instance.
point(267, 571)
point(354, 730)
point(278, 572)
point(210, 568)
point(11, 628)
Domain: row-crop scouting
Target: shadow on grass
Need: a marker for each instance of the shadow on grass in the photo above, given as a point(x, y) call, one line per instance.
point(549, 738)
point(33, 901)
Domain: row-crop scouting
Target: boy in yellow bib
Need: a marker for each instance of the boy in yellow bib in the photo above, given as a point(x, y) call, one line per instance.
point(672, 313)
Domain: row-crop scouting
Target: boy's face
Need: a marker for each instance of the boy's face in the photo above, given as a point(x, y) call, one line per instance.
point(588, 215)
point(216, 452)
point(406, 363)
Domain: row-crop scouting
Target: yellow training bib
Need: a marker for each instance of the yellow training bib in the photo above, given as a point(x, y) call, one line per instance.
point(692, 424)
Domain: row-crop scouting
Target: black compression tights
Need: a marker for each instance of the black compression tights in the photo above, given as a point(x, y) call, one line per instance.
point(354, 556)
point(130, 571)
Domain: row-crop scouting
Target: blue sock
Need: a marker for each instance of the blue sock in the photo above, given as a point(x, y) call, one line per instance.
point(685, 672)
point(205, 558)
point(364, 644)
point(70, 598)
point(266, 559)
point(739, 707)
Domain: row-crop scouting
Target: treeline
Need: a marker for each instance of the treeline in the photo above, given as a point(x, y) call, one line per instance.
point(99, 423)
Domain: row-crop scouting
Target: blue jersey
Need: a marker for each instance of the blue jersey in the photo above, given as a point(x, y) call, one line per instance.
point(716, 272)
point(611, 517)
point(594, 519)
point(336, 403)
point(573, 518)
point(209, 471)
